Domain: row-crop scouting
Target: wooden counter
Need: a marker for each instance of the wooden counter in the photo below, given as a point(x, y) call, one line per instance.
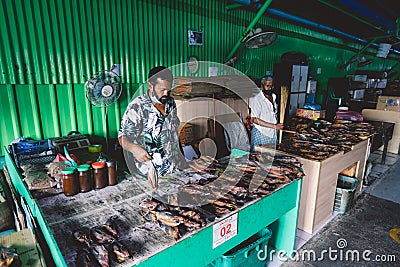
point(58, 216)
point(319, 183)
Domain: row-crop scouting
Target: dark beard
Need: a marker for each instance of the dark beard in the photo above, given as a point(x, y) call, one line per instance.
point(164, 99)
point(267, 92)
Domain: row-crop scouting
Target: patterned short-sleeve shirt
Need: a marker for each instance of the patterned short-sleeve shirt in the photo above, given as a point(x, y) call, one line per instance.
point(145, 126)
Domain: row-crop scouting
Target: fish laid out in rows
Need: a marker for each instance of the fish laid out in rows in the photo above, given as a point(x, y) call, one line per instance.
point(233, 183)
point(100, 245)
point(172, 219)
point(318, 140)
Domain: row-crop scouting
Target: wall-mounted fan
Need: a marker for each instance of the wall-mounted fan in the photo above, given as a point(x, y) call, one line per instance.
point(361, 61)
point(256, 38)
point(104, 89)
point(260, 39)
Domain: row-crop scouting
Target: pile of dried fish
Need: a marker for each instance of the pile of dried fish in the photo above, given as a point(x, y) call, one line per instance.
point(225, 188)
point(101, 245)
point(320, 139)
point(175, 221)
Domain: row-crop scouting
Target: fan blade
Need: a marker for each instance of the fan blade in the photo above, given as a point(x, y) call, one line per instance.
point(103, 89)
point(260, 40)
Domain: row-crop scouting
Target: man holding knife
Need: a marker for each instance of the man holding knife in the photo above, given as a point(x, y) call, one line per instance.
point(149, 127)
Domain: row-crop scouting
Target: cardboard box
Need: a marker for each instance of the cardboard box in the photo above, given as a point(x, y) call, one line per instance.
point(310, 114)
point(391, 103)
point(351, 170)
point(185, 131)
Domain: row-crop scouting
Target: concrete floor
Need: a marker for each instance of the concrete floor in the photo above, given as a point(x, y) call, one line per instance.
point(371, 227)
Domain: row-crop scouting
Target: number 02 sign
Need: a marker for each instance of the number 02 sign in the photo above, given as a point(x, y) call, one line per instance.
point(224, 230)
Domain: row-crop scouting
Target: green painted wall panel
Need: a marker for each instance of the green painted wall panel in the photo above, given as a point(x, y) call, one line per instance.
point(83, 110)
point(9, 122)
point(49, 48)
point(49, 114)
point(66, 108)
point(28, 111)
point(99, 123)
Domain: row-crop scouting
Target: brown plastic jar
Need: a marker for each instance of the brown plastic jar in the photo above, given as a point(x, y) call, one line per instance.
point(112, 173)
point(85, 178)
point(99, 174)
point(70, 181)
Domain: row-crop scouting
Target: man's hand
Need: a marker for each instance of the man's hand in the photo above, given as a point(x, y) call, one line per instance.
point(278, 126)
point(138, 152)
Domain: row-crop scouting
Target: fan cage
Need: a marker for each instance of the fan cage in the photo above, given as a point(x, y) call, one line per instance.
point(94, 89)
point(261, 39)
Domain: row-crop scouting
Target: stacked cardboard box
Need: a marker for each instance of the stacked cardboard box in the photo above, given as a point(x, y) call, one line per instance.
point(391, 103)
point(310, 114)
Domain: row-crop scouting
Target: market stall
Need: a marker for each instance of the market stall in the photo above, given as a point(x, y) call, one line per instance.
point(59, 217)
point(324, 151)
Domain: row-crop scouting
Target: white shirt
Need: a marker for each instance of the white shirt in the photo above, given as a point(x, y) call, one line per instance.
point(263, 109)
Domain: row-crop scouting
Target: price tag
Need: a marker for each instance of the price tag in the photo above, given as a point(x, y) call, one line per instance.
point(224, 230)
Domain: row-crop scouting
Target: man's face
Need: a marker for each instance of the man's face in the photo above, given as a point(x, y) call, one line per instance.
point(162, 90)
point(268, 85)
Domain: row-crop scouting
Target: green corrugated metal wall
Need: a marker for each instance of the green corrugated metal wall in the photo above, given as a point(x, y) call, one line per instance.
point(49, 48)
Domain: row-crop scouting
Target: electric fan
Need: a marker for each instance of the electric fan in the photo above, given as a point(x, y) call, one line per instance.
point(255, 39)
point(104, 89)
point(260, 39)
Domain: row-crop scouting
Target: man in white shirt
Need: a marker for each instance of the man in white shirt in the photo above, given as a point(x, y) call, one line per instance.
point(264, 115)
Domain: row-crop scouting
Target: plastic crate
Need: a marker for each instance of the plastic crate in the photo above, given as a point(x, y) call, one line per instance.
point(345, 191)
point(246, 253)
point(28, 152)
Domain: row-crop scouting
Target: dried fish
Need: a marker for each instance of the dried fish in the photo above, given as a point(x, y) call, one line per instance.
point(100, 253)
point(101, 235)
point(119, 251)
point(85, 259)
point(263, 192)
point(111, 226)
point(220, 211)
point(147, 205)
point(171, 230)
point(82, 236)
point(168, 218)
point(192, 225)
point(224, 204)
point(111, 229)
point(323, 139)
point(152, 175)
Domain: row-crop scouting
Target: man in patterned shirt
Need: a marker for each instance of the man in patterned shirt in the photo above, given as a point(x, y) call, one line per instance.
point(149, 126)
